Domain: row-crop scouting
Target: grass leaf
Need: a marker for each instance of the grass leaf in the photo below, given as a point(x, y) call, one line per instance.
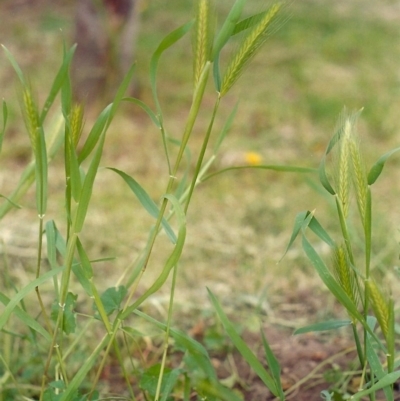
point(227, 28)
point(15, 66)
point(14, 301)
point(323, 326)
point(272, 167)
point(146, 201)
point(26, 318)
point(274, 366)
point(172, 259)
point(377, 168)
point(5, 117)
point(62, 74)
point(146, 108)
point(242, 347)
point(167, 42)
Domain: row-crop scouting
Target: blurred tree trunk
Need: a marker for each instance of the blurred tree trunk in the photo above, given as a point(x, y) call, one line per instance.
point(105, 31)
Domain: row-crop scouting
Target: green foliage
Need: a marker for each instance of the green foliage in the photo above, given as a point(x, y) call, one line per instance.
point(76, 342)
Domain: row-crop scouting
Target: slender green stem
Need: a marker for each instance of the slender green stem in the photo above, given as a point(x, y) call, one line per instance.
point(167, 330)
point(201, 155)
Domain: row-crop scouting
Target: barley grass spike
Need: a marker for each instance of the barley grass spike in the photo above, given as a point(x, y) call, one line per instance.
point(249, 47)
point(202, 36)
point(31, 117)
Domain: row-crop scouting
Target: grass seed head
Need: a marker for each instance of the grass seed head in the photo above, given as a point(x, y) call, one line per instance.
point(379, 305)
point(248, 48)
point(359, 177)
point(343, 170)
point(345, 275)
point(31, 116)
point(76, 121)
point(202, 36)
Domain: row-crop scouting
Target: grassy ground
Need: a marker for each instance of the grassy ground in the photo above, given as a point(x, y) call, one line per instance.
point(325, 56)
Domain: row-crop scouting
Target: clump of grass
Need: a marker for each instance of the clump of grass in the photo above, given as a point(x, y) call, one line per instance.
point(57, 330)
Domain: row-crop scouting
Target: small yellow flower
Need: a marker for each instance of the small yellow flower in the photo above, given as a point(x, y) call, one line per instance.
point(253, 158)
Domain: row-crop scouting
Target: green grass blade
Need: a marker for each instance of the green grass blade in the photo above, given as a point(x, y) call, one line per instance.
point(213, 390)
point(386, 381)
point(146, 201)
point(50, 230)
point(272, 167)
point(62, 74)
point(26, 318)
point(146, 108)
point(14, 301)
point(377, 168)
point(228, 27)
point(54, 142)
point(373, 359)
point(87, 188)
point(167, 42)
point(121, 92)
point(83, 371)
point(15, 66)
point(94, 134)
point(242, 347)
point(225, 129)
point(274, 366)
point(3, 129)
point(173, 259)
point(298, 224)
point(41, 173)
point(187, 343)
point(323, 326)
point(330, 281)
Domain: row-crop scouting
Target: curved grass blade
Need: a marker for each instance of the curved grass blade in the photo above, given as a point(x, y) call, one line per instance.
point(227, 28)
point(62, 74)
point(26, 318)
point(15, 65)
point(242, 347)
point(11, 202)
point(5, 315)
point(146, 201)
point(272, 167)
point(377, 168)
point(94, 134)
point(172, 260)
point(146, 108)
point(167, 42)
point(330, 281)
point(386, 381)
point(54, 142)
point(87, 187)
point(323, 326)
point(274, 366)
point(187, 343)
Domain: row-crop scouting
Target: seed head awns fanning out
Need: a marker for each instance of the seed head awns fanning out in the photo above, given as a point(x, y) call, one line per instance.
point(251, 43)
